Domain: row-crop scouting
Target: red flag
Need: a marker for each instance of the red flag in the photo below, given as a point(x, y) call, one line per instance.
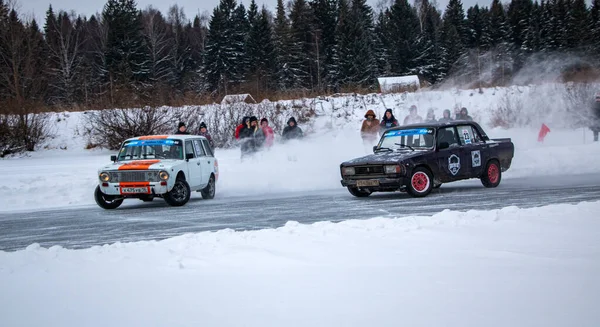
point(543, 131)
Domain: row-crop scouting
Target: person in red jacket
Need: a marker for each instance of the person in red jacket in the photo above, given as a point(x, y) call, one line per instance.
point(240, 127)
point(269, 135)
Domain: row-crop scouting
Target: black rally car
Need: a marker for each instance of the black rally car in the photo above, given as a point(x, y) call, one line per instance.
point(417, 158)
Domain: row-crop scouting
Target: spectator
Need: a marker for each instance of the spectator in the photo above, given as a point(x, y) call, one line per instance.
point(413, 117)
point(292, 131)
point(204, 132)
point(268, 131)
point(182, 129)
point(464, 114)
point(239, 128)
point(595, 121)
point(430, 118)
point(388, 121)
point(370, 128)
point(447, 116)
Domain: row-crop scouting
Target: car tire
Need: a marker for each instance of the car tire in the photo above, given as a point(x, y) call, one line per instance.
point(209, 191)
point(106, 201)
point(358, 193)
point(492, 175)
point(179, 194)
point(420, 183)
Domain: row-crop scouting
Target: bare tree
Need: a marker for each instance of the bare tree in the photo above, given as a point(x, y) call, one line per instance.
point(160, 46)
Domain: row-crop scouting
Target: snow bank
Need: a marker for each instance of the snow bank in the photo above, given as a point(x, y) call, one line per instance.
point(508, 267)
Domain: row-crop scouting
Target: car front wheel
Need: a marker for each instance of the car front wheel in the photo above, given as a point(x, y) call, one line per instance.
point(420, 183)
point(106, 201)
point(357, 192)
point(179, 194)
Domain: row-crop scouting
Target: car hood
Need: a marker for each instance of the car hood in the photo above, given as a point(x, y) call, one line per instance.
point(383, 158)
point(141, 164)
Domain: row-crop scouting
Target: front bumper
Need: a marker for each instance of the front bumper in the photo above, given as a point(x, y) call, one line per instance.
point(383, 184)
point(134, 189)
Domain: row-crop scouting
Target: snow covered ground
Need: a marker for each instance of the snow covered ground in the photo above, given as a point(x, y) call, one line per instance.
point(508, 267)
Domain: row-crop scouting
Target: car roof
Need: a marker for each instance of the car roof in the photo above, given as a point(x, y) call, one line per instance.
point(166, 137)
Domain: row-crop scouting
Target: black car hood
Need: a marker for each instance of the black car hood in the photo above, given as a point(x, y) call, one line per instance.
point(384, 158)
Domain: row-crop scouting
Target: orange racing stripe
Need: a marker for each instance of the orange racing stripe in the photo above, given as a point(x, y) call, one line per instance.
point(153, 137)
point(138, 165)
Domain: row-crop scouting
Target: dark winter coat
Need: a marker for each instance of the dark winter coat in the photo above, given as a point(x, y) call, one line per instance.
point(463, 115)
point(595, 119)
point(252, 139)
point(180, 132)
point(292, 132)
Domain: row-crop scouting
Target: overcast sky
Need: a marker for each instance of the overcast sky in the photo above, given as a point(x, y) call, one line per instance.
point(37, 8)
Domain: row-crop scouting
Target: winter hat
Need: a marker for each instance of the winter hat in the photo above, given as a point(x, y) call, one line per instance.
point(413, 107)
point(447, 111)
point(466, 112)
point(292, 119)
point(264, 120)
point(370, 113)
point(181, 124)
point(253, 118)
point(391, 113)
point(245, 119)
point(202, 125)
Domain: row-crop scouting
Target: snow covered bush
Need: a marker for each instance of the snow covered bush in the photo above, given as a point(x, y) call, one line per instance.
point(22, 132)
point(108, 128)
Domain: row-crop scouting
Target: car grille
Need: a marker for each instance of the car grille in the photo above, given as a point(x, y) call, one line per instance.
point(368, 170)
point(133, 176)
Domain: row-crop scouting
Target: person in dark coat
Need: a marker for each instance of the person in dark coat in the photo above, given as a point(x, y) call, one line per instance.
point(595, 117)
point(204, 132)
point(447, 116)
point(252, 136)
point(239, 127)
point(388, 121)
point(463, 115)
point(292, 131)
point(182, 129)
point(430, 118)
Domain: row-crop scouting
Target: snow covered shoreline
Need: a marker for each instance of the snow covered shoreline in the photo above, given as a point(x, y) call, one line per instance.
point(507, 267)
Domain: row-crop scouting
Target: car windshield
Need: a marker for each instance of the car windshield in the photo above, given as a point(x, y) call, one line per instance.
point(151, 149)
point(412, 138)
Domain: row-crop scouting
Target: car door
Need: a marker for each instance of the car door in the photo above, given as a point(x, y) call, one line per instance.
point(210, 159)
point(205, 160)
point(449, 159)
point(194, 166)
point(472, 155)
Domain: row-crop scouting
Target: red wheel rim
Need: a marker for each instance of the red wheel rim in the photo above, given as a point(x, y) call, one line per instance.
point(493, 173)
point(420, 182)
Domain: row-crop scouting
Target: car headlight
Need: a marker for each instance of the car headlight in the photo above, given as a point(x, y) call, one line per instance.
point(163, 175)
point(393, 169)
point(348, 171)
point(104, 177)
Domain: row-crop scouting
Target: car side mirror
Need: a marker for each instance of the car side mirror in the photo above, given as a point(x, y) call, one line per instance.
point(443, 145)
point(113, 158)
point(374, 148)
point(189, 156)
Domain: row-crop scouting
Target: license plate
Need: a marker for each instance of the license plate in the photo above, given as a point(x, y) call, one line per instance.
point(367, 182)
point(135, 190)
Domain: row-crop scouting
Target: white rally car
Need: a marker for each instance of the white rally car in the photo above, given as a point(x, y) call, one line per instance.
point(166, 166)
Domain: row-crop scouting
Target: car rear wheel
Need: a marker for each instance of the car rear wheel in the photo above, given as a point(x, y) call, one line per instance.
point(492, 174)
point(106, 201)
point(179, 194)
point(209, 191)
point(358, 193)
point(420, 183)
